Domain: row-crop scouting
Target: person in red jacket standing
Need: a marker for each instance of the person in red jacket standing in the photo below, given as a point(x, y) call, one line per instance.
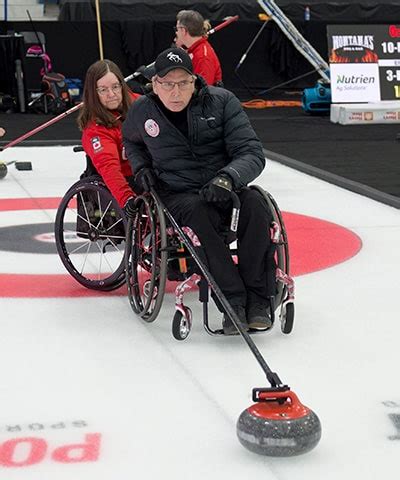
point(106, 100)
point(191, 33)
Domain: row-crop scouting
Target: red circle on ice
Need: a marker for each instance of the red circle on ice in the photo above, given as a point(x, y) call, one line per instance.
point(315, 244)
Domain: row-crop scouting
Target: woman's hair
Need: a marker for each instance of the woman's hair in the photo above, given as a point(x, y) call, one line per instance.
point(92, 109)
point(194, 23)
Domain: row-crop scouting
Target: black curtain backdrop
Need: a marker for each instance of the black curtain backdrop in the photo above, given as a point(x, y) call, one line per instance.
point(371, 11)
point(73, 47)
point(11, 49)
point(131, 43)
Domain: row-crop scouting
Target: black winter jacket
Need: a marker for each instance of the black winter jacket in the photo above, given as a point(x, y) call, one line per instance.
point(221, 140)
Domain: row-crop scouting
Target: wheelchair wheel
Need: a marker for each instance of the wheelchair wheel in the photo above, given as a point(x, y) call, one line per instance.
point(90, 235)
point(287, 317)
point(282, 250)
point(146, 259)
point(182, 324)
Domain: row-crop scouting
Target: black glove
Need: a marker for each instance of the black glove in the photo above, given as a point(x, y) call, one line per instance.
point(217, 190)
point(130, 207)
point(145, 179)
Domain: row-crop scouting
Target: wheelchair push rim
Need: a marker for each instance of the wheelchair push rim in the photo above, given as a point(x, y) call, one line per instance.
point(146, 259)
point(282, 248)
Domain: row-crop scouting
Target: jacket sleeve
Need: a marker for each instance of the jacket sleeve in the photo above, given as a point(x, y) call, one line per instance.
point(242, 145)
point(135, 147)
point(101, 146)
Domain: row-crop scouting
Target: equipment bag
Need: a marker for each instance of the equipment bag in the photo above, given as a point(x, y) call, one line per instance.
point(56, 92)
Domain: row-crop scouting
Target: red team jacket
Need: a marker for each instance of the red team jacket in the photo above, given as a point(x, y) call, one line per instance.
point(104, 146)
point(205, 61)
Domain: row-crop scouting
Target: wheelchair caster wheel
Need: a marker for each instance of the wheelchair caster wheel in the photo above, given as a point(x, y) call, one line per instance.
point(182, 324)
point(287, 317)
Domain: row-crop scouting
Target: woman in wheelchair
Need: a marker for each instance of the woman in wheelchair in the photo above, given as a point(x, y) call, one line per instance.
point(106, 100)
point(194, 144)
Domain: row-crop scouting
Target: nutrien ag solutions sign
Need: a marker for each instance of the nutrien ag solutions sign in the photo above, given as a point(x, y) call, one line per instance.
point(364, 62)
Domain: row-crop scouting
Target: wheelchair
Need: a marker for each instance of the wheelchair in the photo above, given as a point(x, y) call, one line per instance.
point(90, 231)
point(158, 250)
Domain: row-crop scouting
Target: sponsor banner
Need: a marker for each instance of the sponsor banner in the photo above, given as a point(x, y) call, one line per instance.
point(364, 62)
point(352, 87)
point(384, 112)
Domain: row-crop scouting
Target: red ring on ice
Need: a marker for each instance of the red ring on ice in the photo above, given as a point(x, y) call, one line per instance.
point(315, 244)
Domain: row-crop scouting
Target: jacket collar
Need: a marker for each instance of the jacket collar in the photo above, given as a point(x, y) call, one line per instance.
point(196, 44)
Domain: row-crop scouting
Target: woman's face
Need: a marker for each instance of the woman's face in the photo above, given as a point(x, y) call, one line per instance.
point(109, 91)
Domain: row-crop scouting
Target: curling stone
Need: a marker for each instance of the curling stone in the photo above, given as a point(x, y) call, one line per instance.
point(278, 425)
point(3, 170)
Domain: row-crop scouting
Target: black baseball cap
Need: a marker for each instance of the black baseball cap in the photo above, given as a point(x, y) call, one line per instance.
point(171, 59)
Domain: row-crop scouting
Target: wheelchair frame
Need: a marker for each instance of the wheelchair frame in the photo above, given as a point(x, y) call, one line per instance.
point(144, 249)
point(149, 250)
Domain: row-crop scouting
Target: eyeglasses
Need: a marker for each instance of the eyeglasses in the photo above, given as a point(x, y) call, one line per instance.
point(169, 86)
point(177, 28)
point(116, 88)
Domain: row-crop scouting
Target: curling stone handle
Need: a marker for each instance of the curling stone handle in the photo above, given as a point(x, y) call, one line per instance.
point(265, 394)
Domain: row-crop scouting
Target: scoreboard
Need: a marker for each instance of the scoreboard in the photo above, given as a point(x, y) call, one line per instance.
point(364, 62)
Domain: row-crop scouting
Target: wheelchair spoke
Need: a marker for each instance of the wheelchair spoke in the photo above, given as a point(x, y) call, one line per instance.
point(80, 247)
point(102, 215)
point(111, 238)
point(87, 219)
point(103, 256)
point(85, 258)
point(84, 219)
point(114, 224)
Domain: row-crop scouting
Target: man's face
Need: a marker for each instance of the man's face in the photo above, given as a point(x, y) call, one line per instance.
point(175, 89)
point(180, 35)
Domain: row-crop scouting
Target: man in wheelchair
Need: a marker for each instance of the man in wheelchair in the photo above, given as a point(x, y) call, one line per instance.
point(194, 144)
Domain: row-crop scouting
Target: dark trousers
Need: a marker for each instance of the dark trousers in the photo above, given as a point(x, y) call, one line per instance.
point(247, 281)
